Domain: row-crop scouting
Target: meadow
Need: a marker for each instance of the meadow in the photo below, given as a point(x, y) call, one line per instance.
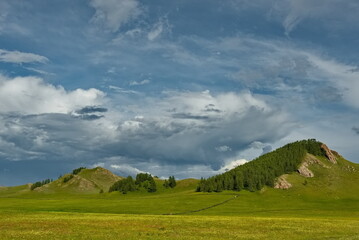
point(323, 207)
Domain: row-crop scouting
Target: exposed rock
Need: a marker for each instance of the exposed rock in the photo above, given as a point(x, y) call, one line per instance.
point(309, 160)
point(331, 155)
point(282, 183)
point(304, 170)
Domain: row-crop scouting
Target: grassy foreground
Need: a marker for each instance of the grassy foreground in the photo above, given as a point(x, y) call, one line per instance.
point(107, 226)
point(323, 207)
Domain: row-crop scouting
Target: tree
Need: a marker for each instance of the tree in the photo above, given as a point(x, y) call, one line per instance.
point(166, 184)
point(172, 182)
point(143, 180)
point(124, 185)
point(152, 186)
point(40, 183)
point(77, 170)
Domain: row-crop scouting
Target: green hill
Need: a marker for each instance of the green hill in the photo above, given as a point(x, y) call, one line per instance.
point(85, 181)
point(267, 169)
point(317, 199)
point(322, 182)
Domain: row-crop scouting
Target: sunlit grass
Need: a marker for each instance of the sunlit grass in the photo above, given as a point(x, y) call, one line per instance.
point(109, 226)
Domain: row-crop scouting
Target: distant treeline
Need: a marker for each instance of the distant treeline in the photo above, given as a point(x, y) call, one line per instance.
point(41, 183)
point(143, 180)
point(263, 170)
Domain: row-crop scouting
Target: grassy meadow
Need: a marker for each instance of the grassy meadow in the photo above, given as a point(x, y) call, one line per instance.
point(323, 207)
point(53, 225)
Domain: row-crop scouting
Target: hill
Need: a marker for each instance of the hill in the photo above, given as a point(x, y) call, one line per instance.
point(84, 181)
point(320, 201)
point(319, 185)
point(269, 169)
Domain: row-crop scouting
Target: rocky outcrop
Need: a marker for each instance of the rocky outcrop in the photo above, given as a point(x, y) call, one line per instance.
point(304, 167)
point(331, 155)
point(282, 183)
point(304, 170)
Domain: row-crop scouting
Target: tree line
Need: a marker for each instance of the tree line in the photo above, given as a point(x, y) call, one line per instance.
point(40, 183)
point(263, 170)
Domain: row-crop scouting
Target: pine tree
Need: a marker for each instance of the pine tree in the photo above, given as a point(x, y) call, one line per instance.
point(172, 181)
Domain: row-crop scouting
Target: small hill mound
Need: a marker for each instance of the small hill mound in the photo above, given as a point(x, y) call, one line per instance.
point(84, 181)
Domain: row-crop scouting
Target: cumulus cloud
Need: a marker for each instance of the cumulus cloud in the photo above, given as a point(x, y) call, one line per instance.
point(232, 164)
point(126, 169)
point(31, 95)
point(134, 143)
point(194, 137)
point(20, 57)
point(112, 14)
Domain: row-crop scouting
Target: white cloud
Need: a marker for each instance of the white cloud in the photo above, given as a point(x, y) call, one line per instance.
point(295, 12)
point(31, 95)
point(232, 164)
point(39, 71)
point(143, 82)
point(127, 169)
point(122, 90)
point(158, 29)
point(20, 57)
point(339, 75)
point(112, 14)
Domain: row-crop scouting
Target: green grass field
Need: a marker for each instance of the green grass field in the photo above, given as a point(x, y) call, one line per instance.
point(112, 226)
point(323, 207)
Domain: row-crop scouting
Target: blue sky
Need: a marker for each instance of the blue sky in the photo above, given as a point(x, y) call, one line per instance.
point(184, 88)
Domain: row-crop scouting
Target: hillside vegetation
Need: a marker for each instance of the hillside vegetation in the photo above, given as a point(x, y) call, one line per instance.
point(264, 170)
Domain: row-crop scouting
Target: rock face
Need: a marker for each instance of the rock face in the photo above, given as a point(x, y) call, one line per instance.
point(282, 183)
point(309, 160)
point(304, 170)
point(330, 154)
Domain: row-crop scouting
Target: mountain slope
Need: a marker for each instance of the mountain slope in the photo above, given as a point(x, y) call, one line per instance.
point(328, 179)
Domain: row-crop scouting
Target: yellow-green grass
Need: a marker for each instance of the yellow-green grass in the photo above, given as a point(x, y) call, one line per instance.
point(323, 207)
point(108, 226)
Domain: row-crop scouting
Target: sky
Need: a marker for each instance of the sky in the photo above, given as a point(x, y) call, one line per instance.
point(188, 88)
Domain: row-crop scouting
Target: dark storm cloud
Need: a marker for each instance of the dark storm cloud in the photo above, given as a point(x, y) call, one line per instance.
point(158, 139)
point(189, 116)
point(92, 109)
